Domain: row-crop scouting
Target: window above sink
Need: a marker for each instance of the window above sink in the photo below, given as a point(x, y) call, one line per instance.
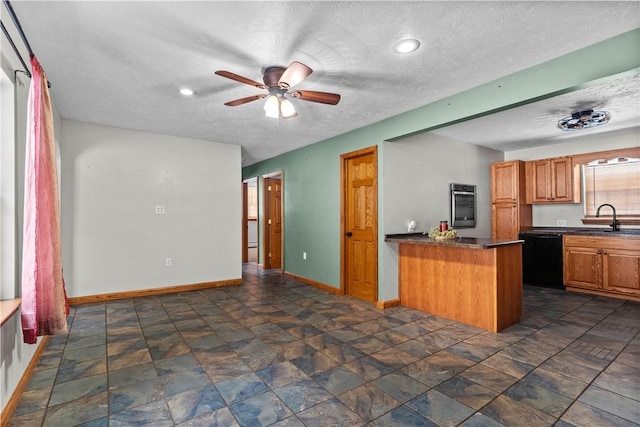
point(612, 178)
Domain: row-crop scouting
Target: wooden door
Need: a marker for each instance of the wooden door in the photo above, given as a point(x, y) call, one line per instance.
point(621, 270)
point(360, 223)
point(541, 181)
point(504, 221)
point(561, 184)
point(505, 182)
point(273, 222)
point(583, 267)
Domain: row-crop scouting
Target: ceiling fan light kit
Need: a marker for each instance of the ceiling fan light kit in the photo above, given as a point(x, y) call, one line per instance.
point(584, 120)
point(272, 107)
point(277, 81)
point(286, 109)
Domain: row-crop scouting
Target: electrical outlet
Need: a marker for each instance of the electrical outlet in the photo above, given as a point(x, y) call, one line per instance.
point(167, 262)
point(562, 223)
point(160, 210)
point(304, 255)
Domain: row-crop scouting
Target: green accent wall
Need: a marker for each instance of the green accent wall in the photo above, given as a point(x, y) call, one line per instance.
point(312, 173)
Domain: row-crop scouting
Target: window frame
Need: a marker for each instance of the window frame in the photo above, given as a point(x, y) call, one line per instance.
point(8, 192)
point(582, 159)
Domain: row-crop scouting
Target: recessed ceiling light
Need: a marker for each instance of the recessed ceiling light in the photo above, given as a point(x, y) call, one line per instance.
point(406, 46)
point(187, 92)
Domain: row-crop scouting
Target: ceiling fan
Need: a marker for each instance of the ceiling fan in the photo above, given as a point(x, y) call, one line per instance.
point(278, 81)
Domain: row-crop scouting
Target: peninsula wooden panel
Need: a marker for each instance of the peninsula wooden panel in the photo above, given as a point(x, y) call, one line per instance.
point(479, 287)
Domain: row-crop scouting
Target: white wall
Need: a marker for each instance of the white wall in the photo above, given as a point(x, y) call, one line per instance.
point(416, 175)
point(547, 215)
point(111, 182)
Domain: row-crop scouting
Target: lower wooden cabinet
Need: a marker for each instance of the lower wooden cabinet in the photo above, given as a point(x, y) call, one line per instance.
point(582, 267)
point(603, 265)
point(620, 270)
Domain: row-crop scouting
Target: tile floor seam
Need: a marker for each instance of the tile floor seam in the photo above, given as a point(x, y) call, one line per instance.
point(577, 399)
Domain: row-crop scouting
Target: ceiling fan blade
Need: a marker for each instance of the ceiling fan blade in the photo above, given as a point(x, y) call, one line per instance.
point(294, 74)
point(240, 79)
point(313, 96)
point(241, 101)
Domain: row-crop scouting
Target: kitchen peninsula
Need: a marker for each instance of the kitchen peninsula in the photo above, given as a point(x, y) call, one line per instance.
point(471, 280)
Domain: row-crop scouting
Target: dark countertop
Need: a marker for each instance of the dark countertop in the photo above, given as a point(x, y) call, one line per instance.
point(584, 231)
point(463, 242)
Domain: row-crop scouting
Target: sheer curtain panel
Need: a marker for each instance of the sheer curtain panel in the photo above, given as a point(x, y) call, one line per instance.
point(44, 300)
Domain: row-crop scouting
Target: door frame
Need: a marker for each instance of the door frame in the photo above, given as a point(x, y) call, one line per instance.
point(343, 217)
point(245, 219)
point(245, 222)
point(266, 200)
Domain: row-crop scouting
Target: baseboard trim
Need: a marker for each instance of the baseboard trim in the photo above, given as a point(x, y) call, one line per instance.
point(388, 303)
point(12, 403)
point(314, 283)
point(154, 291)
point(602, 293)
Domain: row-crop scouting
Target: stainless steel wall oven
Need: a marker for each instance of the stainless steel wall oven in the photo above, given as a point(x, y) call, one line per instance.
point(463, 205)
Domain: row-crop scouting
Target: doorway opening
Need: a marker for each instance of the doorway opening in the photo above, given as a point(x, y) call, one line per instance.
point(273, 224)
point(250, 220)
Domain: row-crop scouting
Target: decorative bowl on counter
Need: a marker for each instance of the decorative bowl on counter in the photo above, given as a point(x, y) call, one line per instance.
point(444, 237)
point(436, 234)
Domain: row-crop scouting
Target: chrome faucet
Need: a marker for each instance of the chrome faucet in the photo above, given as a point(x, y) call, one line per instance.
point(614, 224)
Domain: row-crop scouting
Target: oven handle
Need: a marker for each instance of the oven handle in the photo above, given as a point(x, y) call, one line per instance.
point(470, 193)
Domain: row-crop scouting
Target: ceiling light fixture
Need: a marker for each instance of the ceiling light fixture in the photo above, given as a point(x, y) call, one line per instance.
point(187, 92)
point(287, 109)
point(584, 120)
point(277, 106)
point(272, 107)
point(406, 46)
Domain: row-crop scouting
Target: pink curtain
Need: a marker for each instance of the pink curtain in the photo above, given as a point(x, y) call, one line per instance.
point(44, 300)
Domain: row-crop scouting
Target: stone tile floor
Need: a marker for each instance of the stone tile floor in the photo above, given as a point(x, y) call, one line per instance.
point(275, 351)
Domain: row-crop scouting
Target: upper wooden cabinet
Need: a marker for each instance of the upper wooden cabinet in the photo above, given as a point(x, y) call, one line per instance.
point(553, 180)
point(507, 182)
point(509, 213)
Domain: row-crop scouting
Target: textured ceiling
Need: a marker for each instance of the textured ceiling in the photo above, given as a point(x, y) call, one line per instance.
point(122, 63)
point(535, 124)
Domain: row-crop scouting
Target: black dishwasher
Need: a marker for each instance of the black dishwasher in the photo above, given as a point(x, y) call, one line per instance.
point(542, 259)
